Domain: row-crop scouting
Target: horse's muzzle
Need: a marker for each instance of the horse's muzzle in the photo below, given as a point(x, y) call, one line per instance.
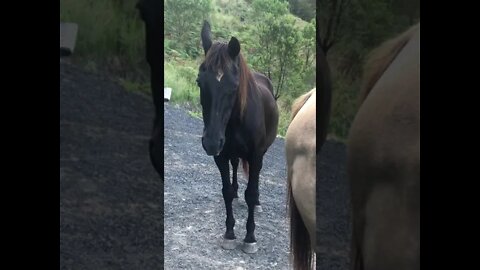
point(213, 147)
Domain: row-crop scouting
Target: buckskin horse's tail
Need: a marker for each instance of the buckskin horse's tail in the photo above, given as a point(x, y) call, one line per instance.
point(301, 254)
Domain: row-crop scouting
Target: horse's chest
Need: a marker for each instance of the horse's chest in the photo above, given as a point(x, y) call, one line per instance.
point(238, 145)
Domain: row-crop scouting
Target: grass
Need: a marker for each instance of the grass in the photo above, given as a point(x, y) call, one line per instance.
point(135, 86)
point(181, 78)
point(195, 114)
point(111, 36)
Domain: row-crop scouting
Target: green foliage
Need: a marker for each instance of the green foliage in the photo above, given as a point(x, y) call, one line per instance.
point(308, 50)
point(344, 105)
point(282, 47)
point(135, 86)
point(278, 49)
point(275, 8)
point(234, 8)
point(283, 121)
point(304, 9)
point(195, 114)
point(183, 21)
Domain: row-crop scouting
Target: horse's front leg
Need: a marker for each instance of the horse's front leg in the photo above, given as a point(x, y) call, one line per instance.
point(235, 162)
point(228, 194)
point(251, 197)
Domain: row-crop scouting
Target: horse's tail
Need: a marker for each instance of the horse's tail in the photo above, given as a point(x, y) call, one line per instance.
point(380, 58)
point(300, 101)
point(245, 168)
point(301, 254)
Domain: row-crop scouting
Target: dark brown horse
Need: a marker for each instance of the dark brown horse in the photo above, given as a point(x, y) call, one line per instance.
point(151, 14)
point(240, 118)
point(384, 159)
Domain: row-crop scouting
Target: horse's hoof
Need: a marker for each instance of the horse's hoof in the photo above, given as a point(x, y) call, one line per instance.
point(250, 248)
point(258, 209)
point(229, 243)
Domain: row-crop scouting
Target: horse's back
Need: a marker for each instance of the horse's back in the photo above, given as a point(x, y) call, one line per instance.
point(384, 166)
point(264, 82)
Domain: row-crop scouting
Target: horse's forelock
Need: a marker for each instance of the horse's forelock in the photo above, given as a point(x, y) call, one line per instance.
point(217, 57)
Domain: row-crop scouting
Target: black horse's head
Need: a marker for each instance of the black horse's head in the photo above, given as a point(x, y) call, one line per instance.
point(223, 77)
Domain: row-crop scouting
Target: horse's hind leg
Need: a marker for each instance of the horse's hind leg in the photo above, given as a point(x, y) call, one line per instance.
point(228, 193)
point(251, 197)
point(258, 206)
point(235, 162)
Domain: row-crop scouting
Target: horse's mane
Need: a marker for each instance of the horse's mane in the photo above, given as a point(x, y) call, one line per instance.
point(300, 101)
point(218, 59)
point(380, 58)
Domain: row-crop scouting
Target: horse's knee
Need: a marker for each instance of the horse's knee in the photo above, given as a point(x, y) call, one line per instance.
point(228, 193)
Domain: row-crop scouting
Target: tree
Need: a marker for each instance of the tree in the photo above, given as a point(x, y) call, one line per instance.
point(331, 14)
point(304, 9)
point(278, 42)
point(183, 21)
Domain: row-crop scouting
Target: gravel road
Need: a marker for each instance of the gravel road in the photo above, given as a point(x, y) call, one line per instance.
point(111, 199)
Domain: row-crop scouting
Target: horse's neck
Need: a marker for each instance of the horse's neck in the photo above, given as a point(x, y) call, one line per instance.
point(251, 111)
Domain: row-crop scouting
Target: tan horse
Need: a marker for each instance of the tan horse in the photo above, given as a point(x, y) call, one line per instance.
point(300, 143)
point(384, 159)
point(302, 150)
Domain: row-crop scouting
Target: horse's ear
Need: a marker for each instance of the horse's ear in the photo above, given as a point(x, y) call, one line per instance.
point(206, 38)
point(233, 47)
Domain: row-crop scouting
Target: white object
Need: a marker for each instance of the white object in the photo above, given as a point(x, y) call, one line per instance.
point(68, 38)
point(167, 93)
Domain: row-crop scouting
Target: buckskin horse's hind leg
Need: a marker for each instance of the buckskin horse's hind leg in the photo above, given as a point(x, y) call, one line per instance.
point(228, 193)
point(251, 197)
